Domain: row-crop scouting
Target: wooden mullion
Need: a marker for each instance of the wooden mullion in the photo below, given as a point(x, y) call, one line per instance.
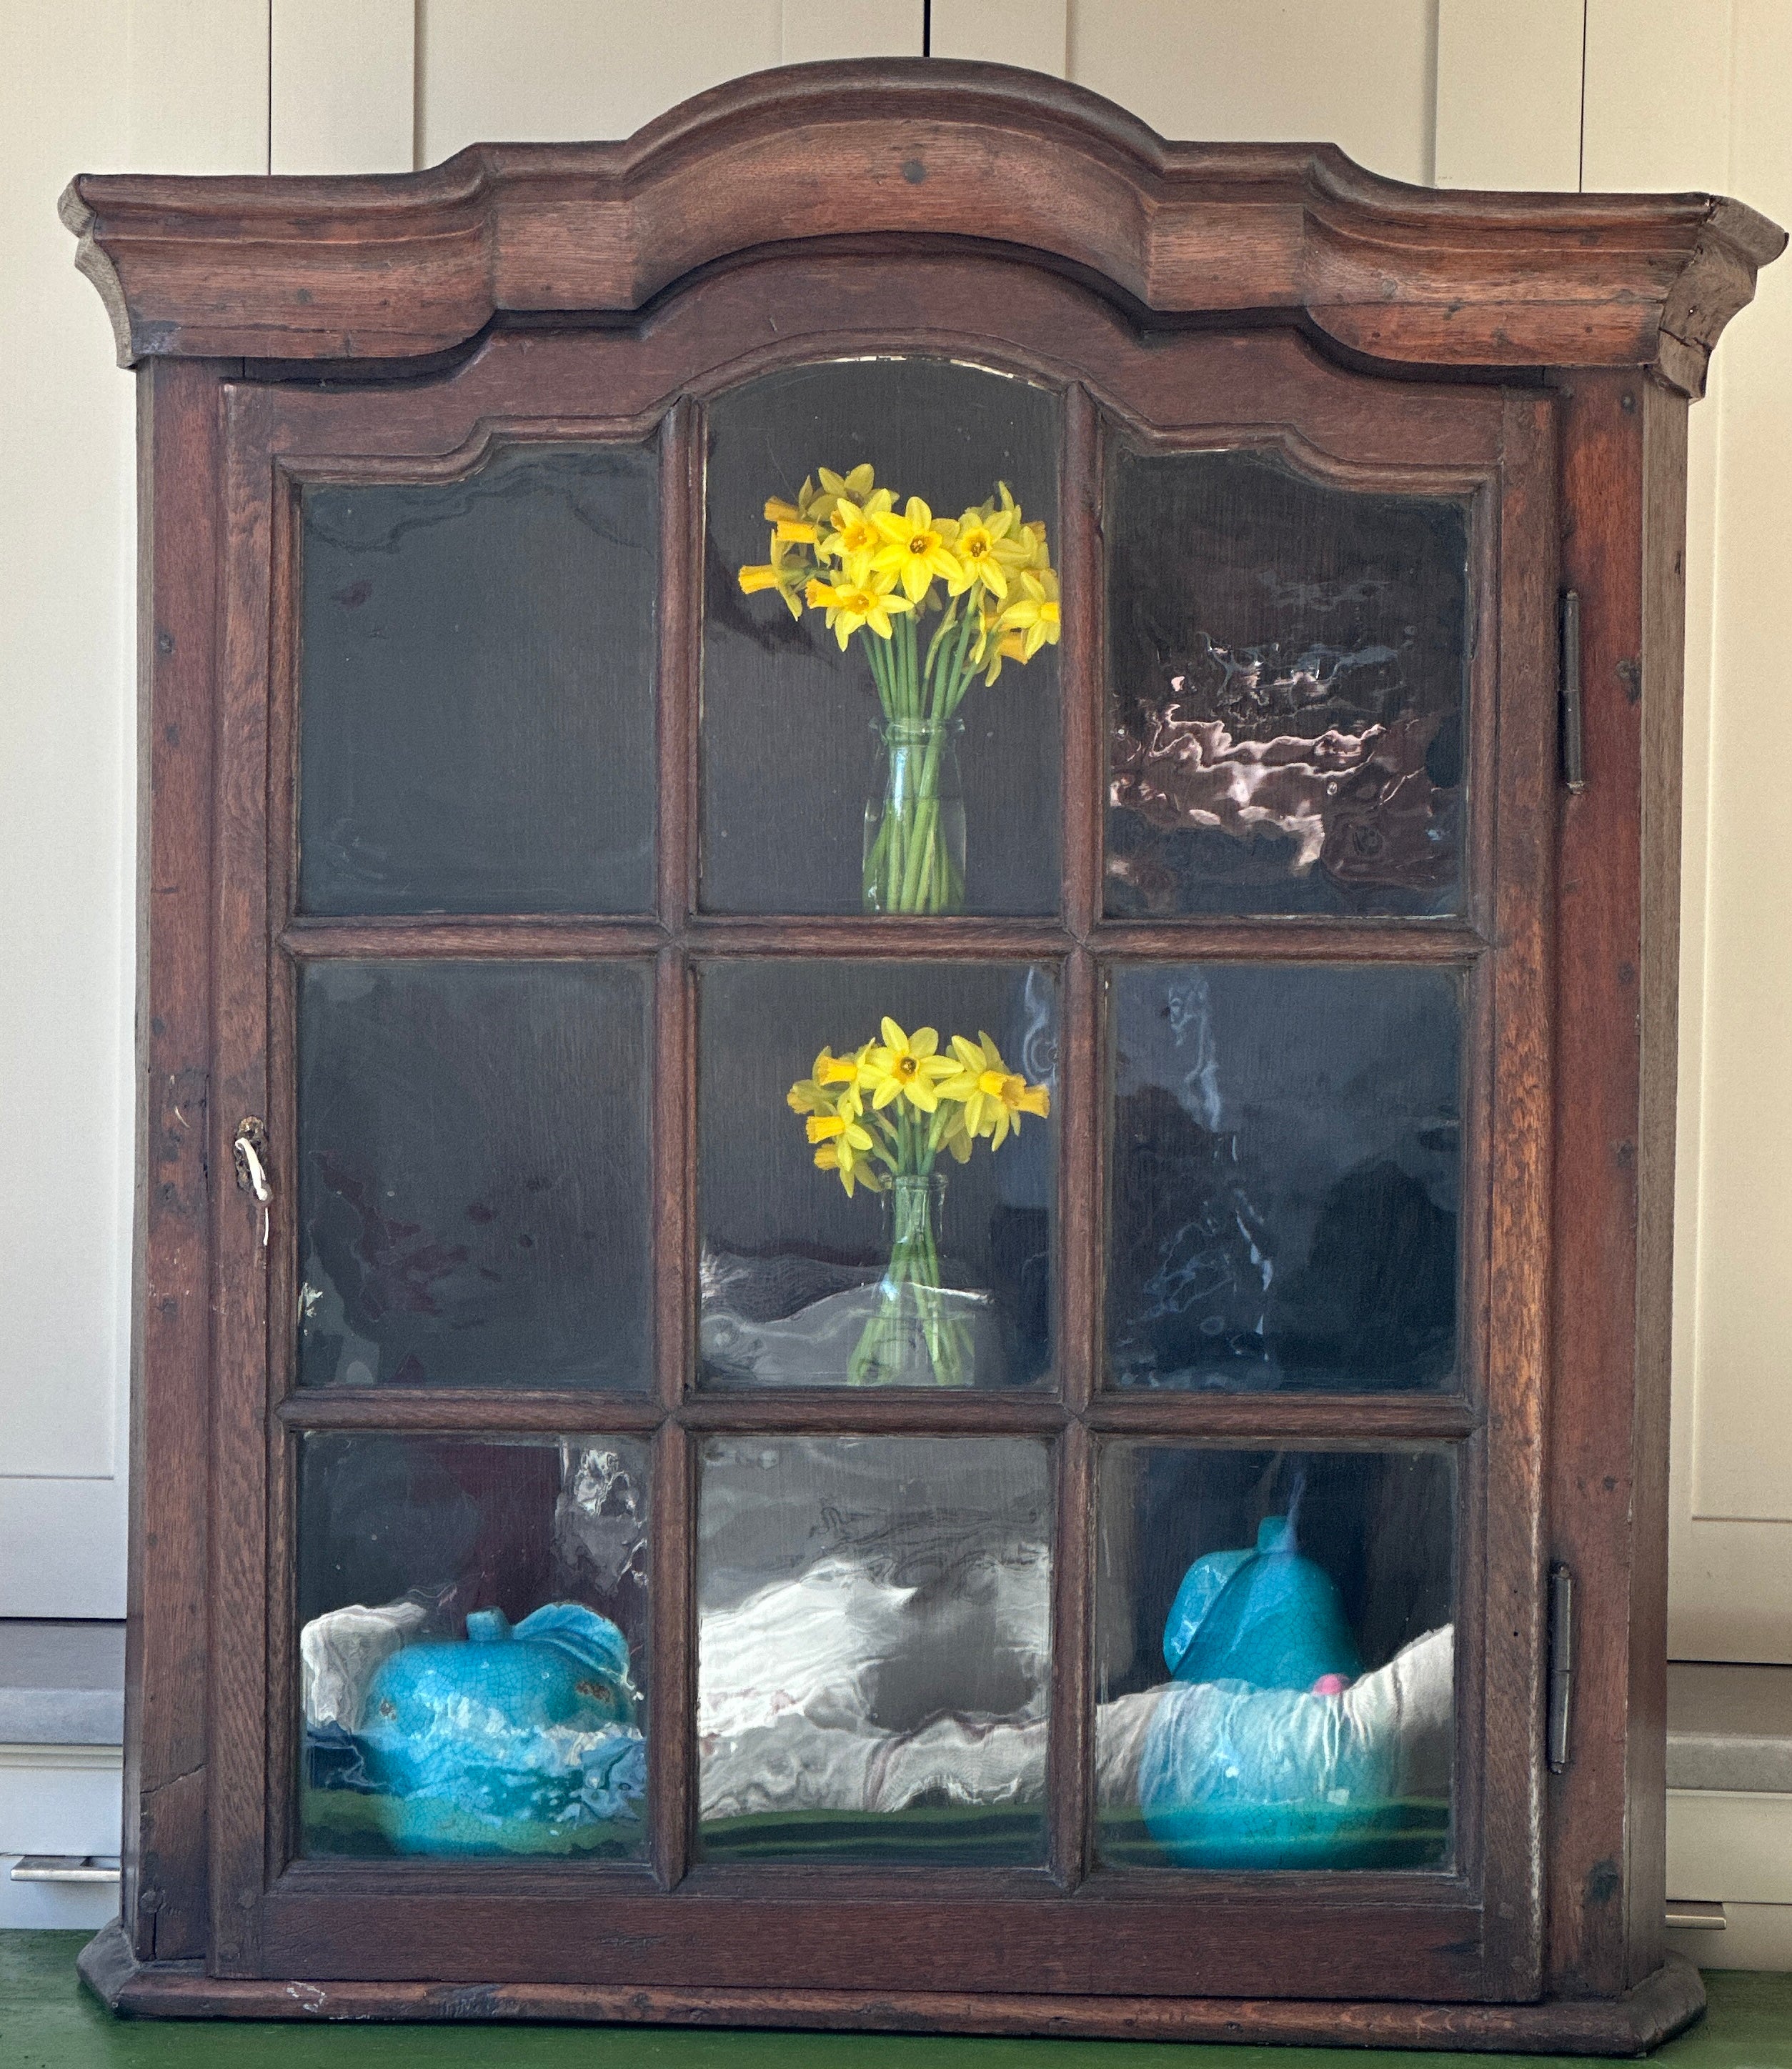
point(680, 659)
point(1078, 1329)
point(1070, 1748)
point(671, 1666)
point(1083, 695)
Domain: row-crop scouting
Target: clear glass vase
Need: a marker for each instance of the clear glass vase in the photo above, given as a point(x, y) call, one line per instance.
point(915, 819)
point(920, 1332)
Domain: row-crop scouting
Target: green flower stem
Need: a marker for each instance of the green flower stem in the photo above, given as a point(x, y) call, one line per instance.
point(912, 1300)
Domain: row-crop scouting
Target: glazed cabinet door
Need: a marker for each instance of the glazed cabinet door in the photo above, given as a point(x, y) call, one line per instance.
point(897, 1339)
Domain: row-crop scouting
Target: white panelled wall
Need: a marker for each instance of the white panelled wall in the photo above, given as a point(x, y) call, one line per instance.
point(1538, 93)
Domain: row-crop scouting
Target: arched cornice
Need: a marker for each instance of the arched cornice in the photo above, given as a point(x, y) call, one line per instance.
point(400, 265)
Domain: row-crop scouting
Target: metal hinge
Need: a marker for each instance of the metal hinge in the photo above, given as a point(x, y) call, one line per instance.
point(1573, 758)
point(1561, 1666)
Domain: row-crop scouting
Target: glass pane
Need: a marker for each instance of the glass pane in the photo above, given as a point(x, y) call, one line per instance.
point(793, 726)
point(476, 688)
point(1286, 1172)
point(473, 1174)
point(1275, 1658)
point(943, 1277)
point(473, 1645)
point(1287, 665)
point(874, 1648)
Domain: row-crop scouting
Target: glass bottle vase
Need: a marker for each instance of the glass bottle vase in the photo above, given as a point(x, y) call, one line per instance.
point(914, 854)
point(920, 1330)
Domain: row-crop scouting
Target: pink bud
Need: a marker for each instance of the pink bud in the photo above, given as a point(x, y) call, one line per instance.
point(1331, 1684)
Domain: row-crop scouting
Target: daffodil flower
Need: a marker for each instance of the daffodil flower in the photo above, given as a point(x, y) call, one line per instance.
point(837, 1128)
point(854, 487)
point(821, 1091)
point(1034, 613)
point(985, 550)
point(1010, 648)
point(783, 572)
point(905, 1066)
point(844, 1157)
point(850, 604)
point(916, 550)
point(993, 1097)
point(855, 537)
point(950, 1133)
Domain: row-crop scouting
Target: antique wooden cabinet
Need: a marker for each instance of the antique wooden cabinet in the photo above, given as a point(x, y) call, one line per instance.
point(1178, 1548)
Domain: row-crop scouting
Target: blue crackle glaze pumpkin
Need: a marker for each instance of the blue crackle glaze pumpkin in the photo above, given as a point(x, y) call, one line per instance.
point(1244, 1765)
point(526, 1733)
point(1269, 1616)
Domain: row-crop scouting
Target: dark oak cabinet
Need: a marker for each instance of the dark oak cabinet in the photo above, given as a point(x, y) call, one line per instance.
point(506, 858)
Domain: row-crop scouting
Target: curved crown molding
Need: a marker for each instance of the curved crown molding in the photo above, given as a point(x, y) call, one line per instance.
point(394, 266)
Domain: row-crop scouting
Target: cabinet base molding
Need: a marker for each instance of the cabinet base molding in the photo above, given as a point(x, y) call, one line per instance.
point(1660, 2006)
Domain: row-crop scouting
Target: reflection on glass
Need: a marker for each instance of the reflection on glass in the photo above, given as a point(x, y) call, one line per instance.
point(1288, 662)
point(1286, 1172)
point(791, 732)
point(873, 1648)
point(473, 1174)
point(1274, 1659)
point(939, 1280)
point(476, 691)
point(473, 1618)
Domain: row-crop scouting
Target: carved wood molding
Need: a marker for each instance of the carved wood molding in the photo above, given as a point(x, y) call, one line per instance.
point(400, 265)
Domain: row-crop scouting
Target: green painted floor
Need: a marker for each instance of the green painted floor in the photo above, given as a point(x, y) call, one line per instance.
point(48, 2022)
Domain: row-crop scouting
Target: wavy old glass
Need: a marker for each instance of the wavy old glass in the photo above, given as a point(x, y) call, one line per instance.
point(1285, 1177)
point(1287, 669)
point(472, 1155)
point(874, 1619)
point(1275, 1658)
point(789, 749)
point(473, 1646)
point(793, 1272)
point(476, 687)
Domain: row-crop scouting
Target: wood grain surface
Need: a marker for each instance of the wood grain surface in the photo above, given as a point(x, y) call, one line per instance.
point(395, 265)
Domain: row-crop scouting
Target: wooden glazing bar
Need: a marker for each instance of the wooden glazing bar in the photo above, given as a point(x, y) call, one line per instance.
point(523, 937)
point(454, 1408)
point(680, 657)
point(674, 1183)
point(864, 936)
point(863, 1411)
point(1288, 941)
point(1341, 1421)
point(671, 1662)
point(1078, 1322)
point(1070, 1750)
point(1083, 695)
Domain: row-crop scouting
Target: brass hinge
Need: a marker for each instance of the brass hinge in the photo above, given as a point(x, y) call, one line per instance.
point(1573, 758)
point(1561, 1666)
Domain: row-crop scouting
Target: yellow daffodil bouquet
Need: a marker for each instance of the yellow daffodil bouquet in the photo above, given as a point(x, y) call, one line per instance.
point(845, 550)
point(879, 1117)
